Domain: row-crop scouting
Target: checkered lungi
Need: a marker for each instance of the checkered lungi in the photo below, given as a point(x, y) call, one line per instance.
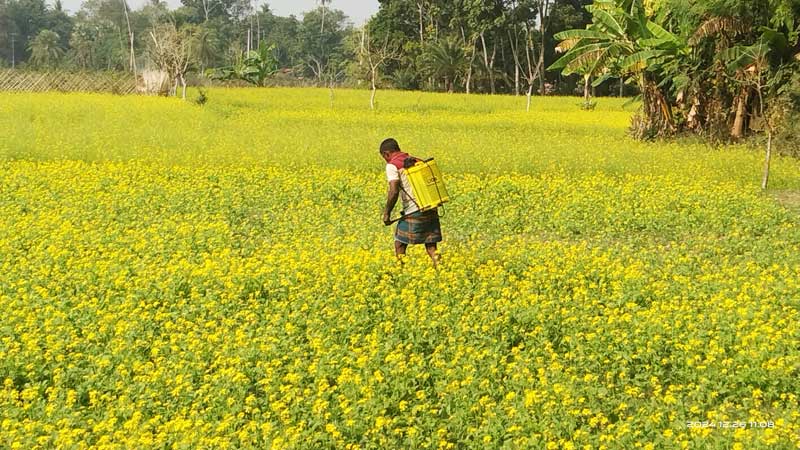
point(419, 228)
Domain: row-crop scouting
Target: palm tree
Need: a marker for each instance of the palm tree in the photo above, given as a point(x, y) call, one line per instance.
point(206, 46)
point(82, 44)
point(446, 60)
point(46, 49)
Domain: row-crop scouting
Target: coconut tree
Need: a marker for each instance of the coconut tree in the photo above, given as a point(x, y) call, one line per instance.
point(46, 49)
point(81, 43)
point(206, 46)
point(447, 61)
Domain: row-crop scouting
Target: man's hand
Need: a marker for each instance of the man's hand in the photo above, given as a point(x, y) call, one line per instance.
point(386, 220)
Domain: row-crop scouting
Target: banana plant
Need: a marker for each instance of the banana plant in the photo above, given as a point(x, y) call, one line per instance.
point(255, 67)
point(622, 42)
point(761, 67)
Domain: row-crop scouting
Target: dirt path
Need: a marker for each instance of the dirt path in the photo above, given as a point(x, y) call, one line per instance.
point(790, 199)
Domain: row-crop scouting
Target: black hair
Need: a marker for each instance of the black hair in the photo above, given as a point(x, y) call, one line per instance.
point(389, 145)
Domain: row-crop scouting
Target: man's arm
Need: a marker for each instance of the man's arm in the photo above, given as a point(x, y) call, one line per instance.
point(391, 199)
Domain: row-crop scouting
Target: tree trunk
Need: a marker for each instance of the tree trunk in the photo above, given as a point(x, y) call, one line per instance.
point(183, 85)
point(530, 55)
point(514, 43)
point(691, 119)
point(130, 38)
point(491, 67)
point(586, 79)
point(421, 25)
point(374, 89)
point(322, 25)
point(530, 92)
point(539, 65)
point(657, 117)
point(485, 52)
point(486, 61)
point(319, 69)
point(469, 69)
point(621, 88)
point(543, 15)
point(765, 177)
point(738, 122)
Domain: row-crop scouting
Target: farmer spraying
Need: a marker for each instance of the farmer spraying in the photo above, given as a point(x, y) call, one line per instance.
point(419, 222)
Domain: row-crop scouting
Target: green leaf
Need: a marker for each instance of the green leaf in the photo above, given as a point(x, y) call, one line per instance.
point(606, 76)
point(571, 55)
point(612, 51)
point(608, 22)
point(639, 60)
point(776, 40)
point(680, 82)
point(580, 58)
point(660, 33)
point(740, 57)
point(653, 42)
point(583, 34)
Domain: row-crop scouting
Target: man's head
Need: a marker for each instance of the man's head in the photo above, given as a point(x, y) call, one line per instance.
point(388, 147)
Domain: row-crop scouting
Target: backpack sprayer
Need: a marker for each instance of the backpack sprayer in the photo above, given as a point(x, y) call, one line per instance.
point(426, 184)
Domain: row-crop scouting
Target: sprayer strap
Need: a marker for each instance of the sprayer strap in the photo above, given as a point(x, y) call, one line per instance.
point(402, 174)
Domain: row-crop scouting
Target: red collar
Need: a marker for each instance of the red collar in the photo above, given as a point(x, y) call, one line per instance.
point(398, 159)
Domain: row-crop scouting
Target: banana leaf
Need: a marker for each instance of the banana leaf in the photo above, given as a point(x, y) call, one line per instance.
point(582, 34)
point(639, 60)
point(608, 22)
point(600, 80)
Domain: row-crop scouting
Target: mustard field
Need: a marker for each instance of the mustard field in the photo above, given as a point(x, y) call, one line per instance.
point(175, 276)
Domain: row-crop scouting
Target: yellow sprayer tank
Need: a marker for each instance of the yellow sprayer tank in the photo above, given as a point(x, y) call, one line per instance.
point(427, 184)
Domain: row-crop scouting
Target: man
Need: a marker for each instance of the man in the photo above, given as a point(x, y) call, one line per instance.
point(416, 227)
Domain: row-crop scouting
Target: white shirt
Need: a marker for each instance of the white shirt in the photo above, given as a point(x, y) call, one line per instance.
point(406, 194)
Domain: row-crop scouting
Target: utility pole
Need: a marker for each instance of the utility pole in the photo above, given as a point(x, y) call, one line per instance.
point(13, 56)
point(250, 34)
point(258, 26)
point(132, 60)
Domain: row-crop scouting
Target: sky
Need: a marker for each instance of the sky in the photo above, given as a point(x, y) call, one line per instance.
point(357, 10)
